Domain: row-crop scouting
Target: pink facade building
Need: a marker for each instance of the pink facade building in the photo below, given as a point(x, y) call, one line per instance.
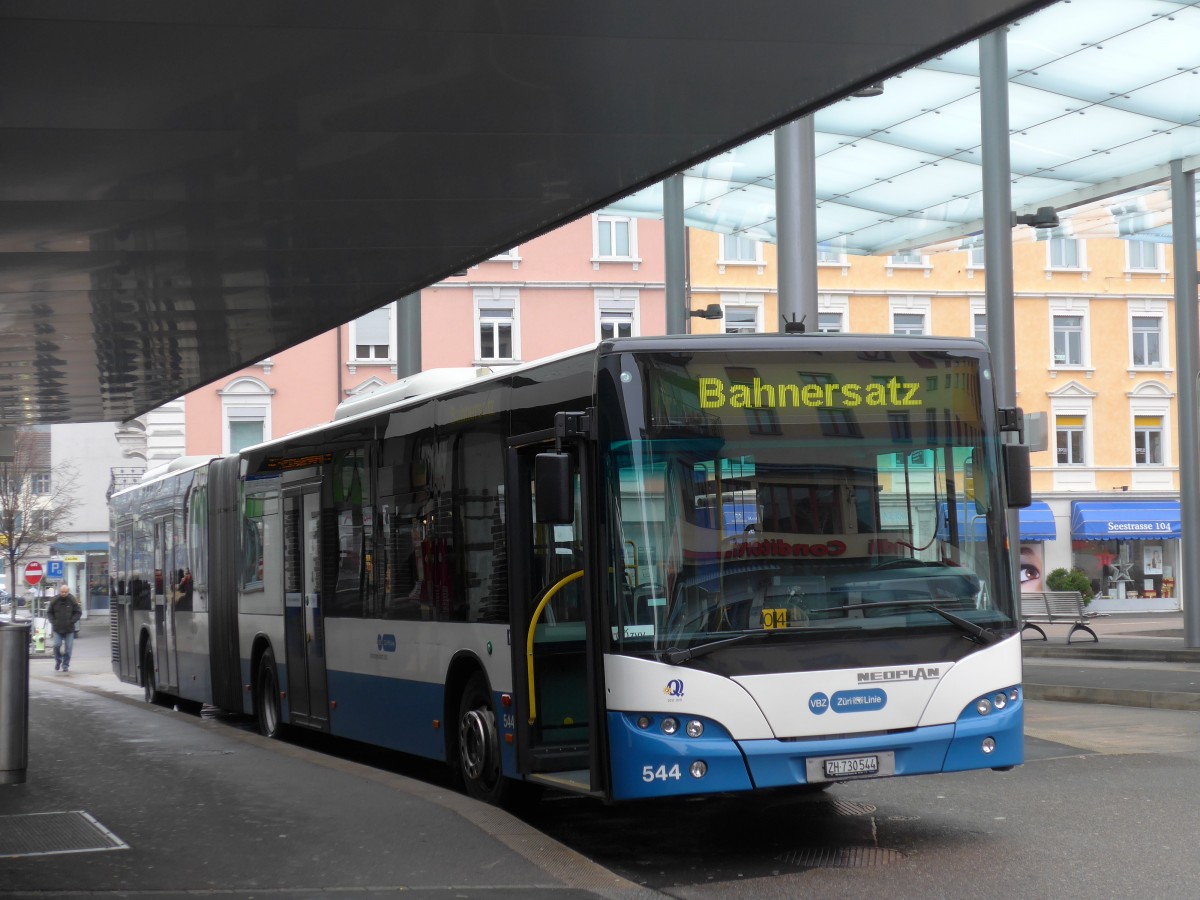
point(598, 276)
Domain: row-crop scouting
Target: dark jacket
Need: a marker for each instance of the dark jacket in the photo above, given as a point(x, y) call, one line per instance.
point(63, 612)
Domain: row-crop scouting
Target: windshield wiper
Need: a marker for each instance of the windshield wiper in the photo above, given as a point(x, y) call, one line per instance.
point(675, 656)
point(977, 633)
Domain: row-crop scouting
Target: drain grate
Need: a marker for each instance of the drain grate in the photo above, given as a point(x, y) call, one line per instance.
point(839, 857)
point(852, 808)
point(43, 834)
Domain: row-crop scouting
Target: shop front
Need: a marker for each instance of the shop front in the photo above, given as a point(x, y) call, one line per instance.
point(1037, 526)
point(1130, 552)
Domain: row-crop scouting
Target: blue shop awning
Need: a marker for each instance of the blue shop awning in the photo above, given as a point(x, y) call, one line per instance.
point(1037, 522)
point(972, 526)
point(1128, 520)
point(79, 547)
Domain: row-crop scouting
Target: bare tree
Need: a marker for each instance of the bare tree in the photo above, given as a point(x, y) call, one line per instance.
point(36, 498)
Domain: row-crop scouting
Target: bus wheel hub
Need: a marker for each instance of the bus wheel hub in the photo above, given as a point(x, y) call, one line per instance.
point(476, 736)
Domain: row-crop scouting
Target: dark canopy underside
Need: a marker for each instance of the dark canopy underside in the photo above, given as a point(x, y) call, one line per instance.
point(186, 188)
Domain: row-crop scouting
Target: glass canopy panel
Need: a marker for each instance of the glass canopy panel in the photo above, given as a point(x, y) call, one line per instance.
point(905, 166)
point(1161, 99)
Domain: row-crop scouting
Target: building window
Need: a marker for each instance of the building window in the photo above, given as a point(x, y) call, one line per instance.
point(908, 323)
point(616, 313)
point(829, 322)
point(1148, 440)
point(1068, 432)
point(614, 237)
point(829, 256)
point(741, 319)
point(1068, 340)
point(496, 328)
point(979, 326)
point(975, 258)
point(372, 336)
point(39, 483)
point(1143, 255)
point(906, 258)
point(1147, 340)
point(738, 249)
point(1064, 253)
point(245, 414)
point(507, 255)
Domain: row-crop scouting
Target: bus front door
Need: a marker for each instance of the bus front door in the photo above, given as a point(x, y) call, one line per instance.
point(164, 605)
point(556, 672)
point(304, 623)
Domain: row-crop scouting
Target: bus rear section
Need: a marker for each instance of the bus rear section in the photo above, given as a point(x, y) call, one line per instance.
point(797, 600)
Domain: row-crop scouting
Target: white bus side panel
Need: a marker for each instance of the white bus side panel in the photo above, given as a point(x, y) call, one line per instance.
point(387, 677)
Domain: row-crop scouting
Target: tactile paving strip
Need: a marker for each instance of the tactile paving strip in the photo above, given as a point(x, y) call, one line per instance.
point(43, 834)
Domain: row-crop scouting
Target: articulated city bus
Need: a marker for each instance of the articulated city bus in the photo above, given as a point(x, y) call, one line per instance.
point(656, 566)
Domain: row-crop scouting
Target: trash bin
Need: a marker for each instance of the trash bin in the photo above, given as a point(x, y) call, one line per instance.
point(14, 702)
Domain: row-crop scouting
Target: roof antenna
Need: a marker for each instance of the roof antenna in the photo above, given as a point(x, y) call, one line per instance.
point(793, 327)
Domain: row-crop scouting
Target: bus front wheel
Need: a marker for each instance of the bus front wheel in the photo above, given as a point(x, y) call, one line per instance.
point(479, 744)
point(149, 681)
point(266, 697)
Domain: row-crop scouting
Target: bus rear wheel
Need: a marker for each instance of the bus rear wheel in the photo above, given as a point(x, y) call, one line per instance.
point(150, 689)
point(479, 745)
point(266, 697)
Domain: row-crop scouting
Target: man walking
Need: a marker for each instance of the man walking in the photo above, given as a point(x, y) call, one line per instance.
point(63, 613)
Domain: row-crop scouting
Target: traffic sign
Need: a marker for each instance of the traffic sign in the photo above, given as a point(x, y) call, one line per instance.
point(54, 570)
point(33, 572)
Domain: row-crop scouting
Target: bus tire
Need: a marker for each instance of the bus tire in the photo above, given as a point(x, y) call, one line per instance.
point(266, 697)
point(150, 690)
point(479, 745)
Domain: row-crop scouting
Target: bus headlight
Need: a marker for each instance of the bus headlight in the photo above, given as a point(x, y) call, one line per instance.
point(644, 722)
point(983, 706)
point(1000, 700)
point(699, 768)
point(670, 725)
point(694, 728)
point(989, 744)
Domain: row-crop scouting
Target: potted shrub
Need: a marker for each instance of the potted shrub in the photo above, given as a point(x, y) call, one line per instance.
point(1070, 580)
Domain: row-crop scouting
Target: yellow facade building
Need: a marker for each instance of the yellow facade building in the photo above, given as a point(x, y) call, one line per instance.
point(1094, 326)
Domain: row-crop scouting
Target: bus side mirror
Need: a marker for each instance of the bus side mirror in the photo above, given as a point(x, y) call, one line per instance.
point(1017, 478)
point(554, 499)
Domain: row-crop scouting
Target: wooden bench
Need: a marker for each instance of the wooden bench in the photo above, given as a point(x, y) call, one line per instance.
point(1055, 608)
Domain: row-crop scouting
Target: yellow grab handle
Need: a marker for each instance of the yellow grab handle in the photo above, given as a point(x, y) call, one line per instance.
point(562, 582)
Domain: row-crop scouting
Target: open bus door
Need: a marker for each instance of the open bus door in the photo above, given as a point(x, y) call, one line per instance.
point(557, 667)
point(164, 604)
point(303, 614)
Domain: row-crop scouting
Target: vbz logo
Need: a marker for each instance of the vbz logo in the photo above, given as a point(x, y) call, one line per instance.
point(818, 703)
point(386, 643)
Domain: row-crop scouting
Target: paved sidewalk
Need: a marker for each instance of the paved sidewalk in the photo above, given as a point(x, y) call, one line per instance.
point(1140, 660)
point(144, 800)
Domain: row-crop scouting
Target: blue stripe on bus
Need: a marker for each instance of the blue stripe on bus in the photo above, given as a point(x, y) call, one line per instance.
point(399, 714)
point(389, 712)
point(937, 748)
point(647, 763)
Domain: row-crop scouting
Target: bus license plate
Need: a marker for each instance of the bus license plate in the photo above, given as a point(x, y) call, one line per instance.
point(855, 765)
point(880, 764)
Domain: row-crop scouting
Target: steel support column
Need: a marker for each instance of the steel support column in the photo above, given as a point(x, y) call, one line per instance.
point(796, 221)
point(1187, 352)
point(674, 249)
point(997, 236)
point(408, 335)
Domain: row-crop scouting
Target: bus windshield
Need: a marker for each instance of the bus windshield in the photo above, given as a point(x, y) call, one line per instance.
point(801, 494)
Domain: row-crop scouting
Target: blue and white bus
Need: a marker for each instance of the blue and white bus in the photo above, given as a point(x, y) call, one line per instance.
point(653, 567)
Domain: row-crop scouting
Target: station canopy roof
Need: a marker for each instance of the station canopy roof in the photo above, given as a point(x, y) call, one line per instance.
point(1103, 94)
point(188, 188)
